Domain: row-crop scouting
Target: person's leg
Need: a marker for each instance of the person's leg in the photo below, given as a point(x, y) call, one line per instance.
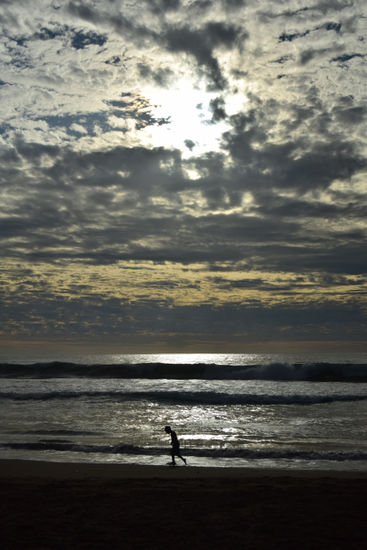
point(178, 453)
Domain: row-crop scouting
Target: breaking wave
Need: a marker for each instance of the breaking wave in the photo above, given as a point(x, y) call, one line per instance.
point(313, 372)
point(185, 398)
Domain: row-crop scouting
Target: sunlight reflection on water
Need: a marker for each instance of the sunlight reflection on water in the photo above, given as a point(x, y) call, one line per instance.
point(192, 358)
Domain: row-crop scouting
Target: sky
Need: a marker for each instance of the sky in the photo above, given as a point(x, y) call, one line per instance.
point(183, 175)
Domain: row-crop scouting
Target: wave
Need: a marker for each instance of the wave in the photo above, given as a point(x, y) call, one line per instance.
point(249, 454)
point(313, 372)
point(187, 398)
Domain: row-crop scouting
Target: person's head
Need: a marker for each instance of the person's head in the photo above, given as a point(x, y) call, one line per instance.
point(167, 429)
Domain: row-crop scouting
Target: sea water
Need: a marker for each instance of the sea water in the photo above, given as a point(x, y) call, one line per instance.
point(243, 410)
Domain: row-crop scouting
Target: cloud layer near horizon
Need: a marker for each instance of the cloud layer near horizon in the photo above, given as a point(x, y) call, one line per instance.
point(183, 169)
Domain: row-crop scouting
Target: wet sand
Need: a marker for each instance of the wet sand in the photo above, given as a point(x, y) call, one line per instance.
point(53, 506)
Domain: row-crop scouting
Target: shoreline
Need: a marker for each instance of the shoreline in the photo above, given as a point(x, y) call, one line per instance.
point(53, 506)
point(24, 468)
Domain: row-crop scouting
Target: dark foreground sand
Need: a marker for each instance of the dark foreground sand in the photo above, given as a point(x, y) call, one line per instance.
point(50, 506)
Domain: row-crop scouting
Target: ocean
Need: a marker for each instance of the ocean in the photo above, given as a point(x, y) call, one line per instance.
point(290, 411)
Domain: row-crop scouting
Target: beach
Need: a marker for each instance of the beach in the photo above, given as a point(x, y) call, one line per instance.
point(53, 505)
point(274, 443)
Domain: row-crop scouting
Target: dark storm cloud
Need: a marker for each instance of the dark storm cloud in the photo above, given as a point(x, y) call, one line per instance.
point(316, 168)
point(87, 223)
point(201, 44)
point(117, 21)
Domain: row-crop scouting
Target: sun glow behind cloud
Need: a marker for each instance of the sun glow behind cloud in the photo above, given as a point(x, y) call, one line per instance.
point(190, 125)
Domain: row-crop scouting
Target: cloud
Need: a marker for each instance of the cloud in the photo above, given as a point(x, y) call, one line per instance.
point(89, 223)
point(110, 319)
point(161, 76)
point(201, 43)
point(217, 106)
point(112, 19)
point(159, 6)
point(263, 225)
point(189, 144)
point(136, 108)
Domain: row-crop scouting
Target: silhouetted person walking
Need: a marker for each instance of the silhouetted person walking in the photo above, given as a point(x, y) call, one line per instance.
point(175, 445)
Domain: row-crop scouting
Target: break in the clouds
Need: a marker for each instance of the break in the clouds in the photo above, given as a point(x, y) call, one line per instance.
point(183, 171)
